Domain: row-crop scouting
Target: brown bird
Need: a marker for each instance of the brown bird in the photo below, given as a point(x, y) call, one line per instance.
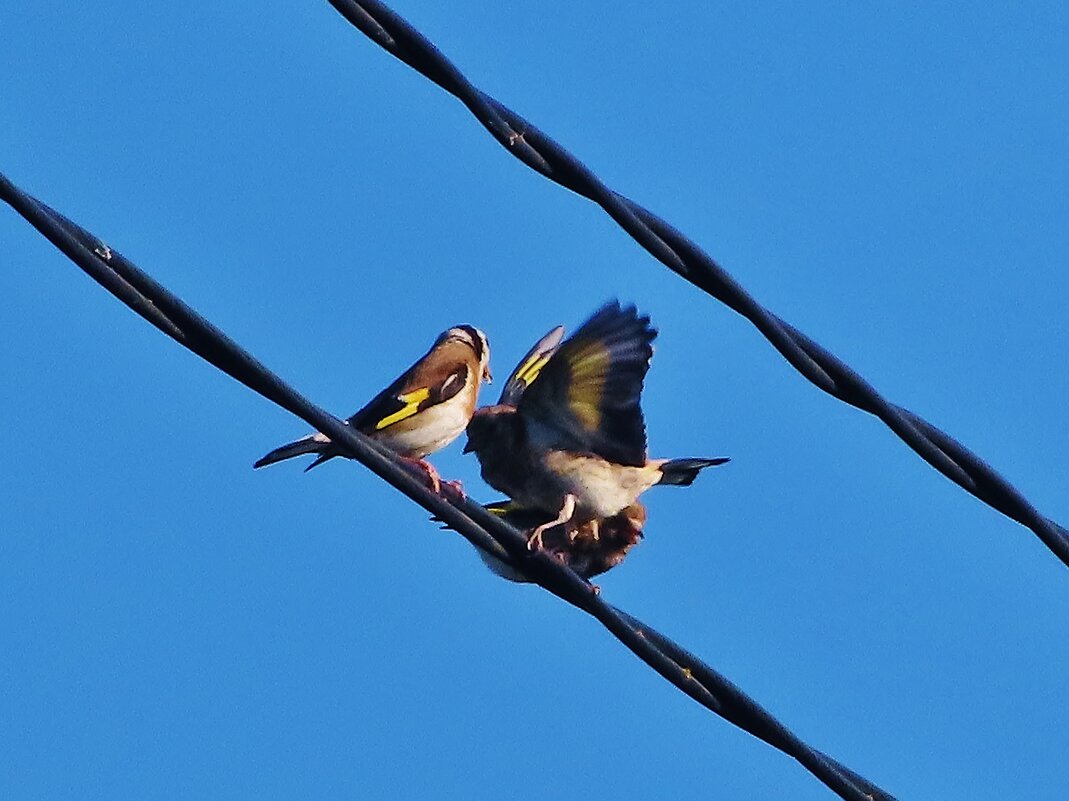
point(589, 549)
point(574, 440)
point(422, 411)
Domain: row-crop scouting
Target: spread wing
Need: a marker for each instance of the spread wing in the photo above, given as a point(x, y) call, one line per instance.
point(588, 392)
point(406, 397)
point(530, 366)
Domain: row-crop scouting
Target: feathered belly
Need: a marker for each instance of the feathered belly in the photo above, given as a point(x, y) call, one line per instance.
point(429, 431)
point(601, 488)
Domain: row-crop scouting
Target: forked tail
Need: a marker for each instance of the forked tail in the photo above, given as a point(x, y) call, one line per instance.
point(315, 443)
point(682, 472)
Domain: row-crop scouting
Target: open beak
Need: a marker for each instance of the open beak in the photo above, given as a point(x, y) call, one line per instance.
point(487, 377)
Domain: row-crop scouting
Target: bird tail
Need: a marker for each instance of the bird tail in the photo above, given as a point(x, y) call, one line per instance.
point(314, 443)
point(682, 472)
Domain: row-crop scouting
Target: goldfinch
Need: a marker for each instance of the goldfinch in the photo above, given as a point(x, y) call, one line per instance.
point(574, 441)
point(590, 549)
point(421, 412)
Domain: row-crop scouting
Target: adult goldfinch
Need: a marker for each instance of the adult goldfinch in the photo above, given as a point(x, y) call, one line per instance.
point(574, 441)
point(421, 412)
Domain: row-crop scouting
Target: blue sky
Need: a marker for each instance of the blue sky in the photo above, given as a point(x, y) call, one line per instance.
point(892, 181)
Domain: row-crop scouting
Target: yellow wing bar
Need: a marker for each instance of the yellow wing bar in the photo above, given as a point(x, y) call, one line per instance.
point(411, 401)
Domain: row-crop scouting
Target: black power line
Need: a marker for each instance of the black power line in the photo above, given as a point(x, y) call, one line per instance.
point(542, 154)
point(169, 314)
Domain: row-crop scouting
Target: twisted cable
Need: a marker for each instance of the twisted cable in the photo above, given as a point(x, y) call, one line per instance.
point(169, 314)
point(681, 255)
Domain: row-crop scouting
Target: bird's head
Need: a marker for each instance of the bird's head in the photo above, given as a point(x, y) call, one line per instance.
point(477, 341)
point(492, 428)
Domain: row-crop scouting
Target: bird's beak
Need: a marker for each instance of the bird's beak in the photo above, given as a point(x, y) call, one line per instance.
point(468, 447)
point(487, 377)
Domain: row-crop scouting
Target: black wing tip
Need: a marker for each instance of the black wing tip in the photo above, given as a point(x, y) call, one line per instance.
point(624, 331)
point(614, 316)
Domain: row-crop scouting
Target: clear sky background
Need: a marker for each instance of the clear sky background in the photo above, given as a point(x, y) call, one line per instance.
point(892, 179)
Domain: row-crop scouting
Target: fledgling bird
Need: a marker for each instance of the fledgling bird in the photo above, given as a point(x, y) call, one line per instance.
point(574, 440)
point(589, 549)
point(422, 411)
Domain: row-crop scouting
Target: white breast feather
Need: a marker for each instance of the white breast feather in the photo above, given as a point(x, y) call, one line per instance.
point(430, 431)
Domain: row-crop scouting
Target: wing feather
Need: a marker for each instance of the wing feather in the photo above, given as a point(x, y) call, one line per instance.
point(392, 406)
point(588, 393)
point(530, 366)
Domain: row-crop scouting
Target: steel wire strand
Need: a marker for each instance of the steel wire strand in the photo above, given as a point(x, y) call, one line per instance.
point(544, 155)
point(172, 316)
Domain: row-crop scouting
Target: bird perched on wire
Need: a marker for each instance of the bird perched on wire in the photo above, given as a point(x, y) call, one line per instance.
point(574, 441)
point(422, 411)
point(589, 549)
